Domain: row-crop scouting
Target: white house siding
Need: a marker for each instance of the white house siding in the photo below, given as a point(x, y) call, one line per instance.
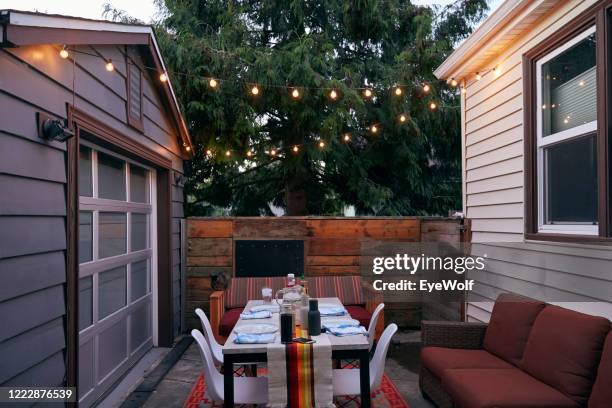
point(578, 275)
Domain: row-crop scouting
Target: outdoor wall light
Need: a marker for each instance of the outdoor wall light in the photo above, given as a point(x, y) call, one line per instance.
point(52, 129)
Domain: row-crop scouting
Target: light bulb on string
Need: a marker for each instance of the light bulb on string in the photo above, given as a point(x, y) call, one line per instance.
point(188, 148)
point(295, 149)
point(478, 76)
point(212, 82)
point(64, 53)
point(321, 144)
point(295, 93)
point(463, 90)
point(402, 118)
point(433, 106)
point(273, 152)
point(347, 137)
point(209, 152)
point(228, 153)
point(255, 90)
point(374, 129)
point(497, 71)
point(398, 91)
point(163, 77)
point(426, 88)
point(367, 93)
point(333, 94)
point(249, 153)
point(109, 65)
point(453, 82)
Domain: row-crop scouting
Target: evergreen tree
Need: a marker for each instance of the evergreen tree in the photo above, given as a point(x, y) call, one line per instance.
point(406, 168)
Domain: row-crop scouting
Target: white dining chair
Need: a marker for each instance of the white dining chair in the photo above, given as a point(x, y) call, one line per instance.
point(346, 381)
point(247, 390)
point(216, 348)
point(373, 323)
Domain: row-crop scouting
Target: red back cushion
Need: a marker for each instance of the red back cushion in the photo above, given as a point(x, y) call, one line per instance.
point(347, 288)
point(601, 396)
point(510, 325)
point(241, 290)
point(564, 349)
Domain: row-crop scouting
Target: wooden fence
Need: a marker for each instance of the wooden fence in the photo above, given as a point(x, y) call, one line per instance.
point(332, 246)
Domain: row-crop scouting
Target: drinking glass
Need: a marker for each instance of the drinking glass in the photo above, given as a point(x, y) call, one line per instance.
point(266, 294)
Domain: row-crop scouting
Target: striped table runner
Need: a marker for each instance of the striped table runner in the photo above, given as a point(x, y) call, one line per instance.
point(300, 375)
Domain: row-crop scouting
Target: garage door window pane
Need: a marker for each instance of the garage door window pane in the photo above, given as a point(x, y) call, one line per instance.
point(138, 280)
point(85, 183)
point(112, 291)
point(85, 236)
point(139, 231)
point(85, 302)
point(111, 177)
point(138, 184)
point(113, 234)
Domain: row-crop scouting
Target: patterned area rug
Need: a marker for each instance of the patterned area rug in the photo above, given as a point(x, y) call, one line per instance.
point(387, 396)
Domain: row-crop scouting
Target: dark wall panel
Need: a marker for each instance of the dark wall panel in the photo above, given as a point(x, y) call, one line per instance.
point(22, 157)
point(50, 372)
point(20, 235)
point(26, 196)
point(25, 274)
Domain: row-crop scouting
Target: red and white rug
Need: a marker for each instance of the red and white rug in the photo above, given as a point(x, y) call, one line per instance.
point(387, 396)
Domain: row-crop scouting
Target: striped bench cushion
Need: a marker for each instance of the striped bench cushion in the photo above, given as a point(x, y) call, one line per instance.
point(241, 290)
point(347, 288)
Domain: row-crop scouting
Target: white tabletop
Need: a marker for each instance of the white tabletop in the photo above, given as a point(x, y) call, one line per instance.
point(358, 341)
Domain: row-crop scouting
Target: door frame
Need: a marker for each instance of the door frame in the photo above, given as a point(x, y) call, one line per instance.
point(111, 139)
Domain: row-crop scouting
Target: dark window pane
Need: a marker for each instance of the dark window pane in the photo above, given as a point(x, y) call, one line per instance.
point(569, 89)
point(85, 236)
point(85, 184)
point(111, 177)
point(112, 291)
point(138, 184)
point(85, 302)
point(571, 181)
point(139, 231)
point(112, 235)
point(138, 280)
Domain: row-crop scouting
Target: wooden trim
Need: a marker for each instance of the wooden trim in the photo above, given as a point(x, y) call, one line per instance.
point(110, 136)
point(595, 15)
point(132, 120)
point(25, 35)
point(165, 316)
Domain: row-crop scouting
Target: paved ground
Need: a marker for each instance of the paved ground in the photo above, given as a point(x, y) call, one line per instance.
point(402, 367)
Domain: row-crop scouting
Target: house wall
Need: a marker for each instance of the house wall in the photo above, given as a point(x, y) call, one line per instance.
point(494, 194)
point(33, 195)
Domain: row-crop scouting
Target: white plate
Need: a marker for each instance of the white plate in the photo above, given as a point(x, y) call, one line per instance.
point(262, 328)
point(334, 321)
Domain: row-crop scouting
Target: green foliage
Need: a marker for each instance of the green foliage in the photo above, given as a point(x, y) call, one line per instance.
point(406, 169)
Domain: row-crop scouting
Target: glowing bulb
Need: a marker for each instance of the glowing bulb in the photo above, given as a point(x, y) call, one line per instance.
point(402, 118)
point(367, 93)
point(109, 66)
point(453, 82)
point(228, 153)
point(208, 152)
point(581, 83)
point(272, 152)
point(463, 90)
point(433, 106)
point(398, 91)
point(426, 88)
point(333, 94)
point(374, 129)
point(213, 83)
point(478, 76)
point(497, 71)
point(543, 106)
point(163, 77)
point(249, 153)
point(64, 53)
point(321, 144)
point(188, 148)
point(295, 149)
point(295, 93)
point(255, 90)
point(347, 137)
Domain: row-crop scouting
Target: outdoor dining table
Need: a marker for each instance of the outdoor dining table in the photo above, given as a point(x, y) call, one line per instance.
point(354, 347)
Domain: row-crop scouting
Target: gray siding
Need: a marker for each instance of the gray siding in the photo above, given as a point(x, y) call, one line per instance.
point(33, 201)
point(177, 214)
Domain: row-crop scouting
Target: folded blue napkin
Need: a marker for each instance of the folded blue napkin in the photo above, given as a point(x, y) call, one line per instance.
point(262, 314)
point(242, 338)
point(347, 331)
point(269, 307)
point(341, 325)
point(332, 311)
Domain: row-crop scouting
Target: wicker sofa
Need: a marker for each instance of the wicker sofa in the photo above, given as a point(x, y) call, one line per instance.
point(359, 298)
point(531, 355)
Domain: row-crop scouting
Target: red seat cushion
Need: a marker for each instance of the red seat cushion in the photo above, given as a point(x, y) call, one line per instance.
point(506, 388)
point(360, 313)
point(438, 359)
point(601, 396)
point(564, 349)
point(228, 321)
point(510, 325)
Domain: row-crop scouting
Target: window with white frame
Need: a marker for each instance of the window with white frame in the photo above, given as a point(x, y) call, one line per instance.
point(566, 123)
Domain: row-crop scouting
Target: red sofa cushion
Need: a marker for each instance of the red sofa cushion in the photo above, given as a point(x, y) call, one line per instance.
point(601, 396)
point(241, 290)
point(360, 313)
point(228, 321)
point(505, 388)
point(564, 349)
point(347, 288)
point(438, 359)
point(510, 325)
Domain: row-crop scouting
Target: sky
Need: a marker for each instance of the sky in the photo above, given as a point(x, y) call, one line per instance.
point(144, 10)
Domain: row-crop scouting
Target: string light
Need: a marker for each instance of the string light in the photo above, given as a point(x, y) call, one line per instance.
point(188, 148)
point(478, 76)
point(398, 91)
point(321, 144)
point(295, 93)
point(273, 152)
point(228, 153)
point(374, 129)
point(295, 149)
point(209, 152)
point(255, 90)
point(367, 93)
point(333, 94)
point(433, 106)
point(163, 77)
point(581, 83)
point(213, 83)
point(109, 65)
point(463, 90)
point(347, 137)
point(64, 53)
point(453, 82)
point(249, 153)
point(426, 88)
point(497, 71)
point(402, 118)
